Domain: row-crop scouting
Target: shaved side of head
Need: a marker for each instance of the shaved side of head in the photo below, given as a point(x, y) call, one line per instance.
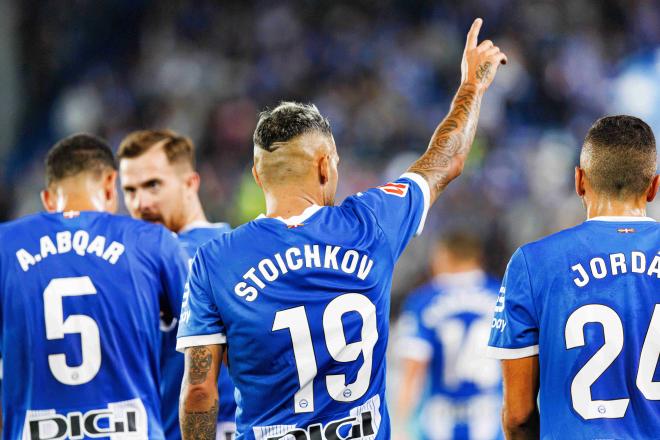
point(288, 142)
point(292, 161)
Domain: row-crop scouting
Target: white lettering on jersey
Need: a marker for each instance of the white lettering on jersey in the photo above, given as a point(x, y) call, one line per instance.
point(614, 265)
point(362, 422)
point(66, 242)
point(120, 420)
point(312, 256)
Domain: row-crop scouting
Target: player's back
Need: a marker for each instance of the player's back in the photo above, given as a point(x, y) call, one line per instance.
point(304, 305)
point(444, 323)
point(596, 300)
point(81, 295)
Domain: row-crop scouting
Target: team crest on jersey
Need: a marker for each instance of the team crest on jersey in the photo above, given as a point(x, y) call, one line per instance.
point(625, 230)
point(395, 189)
point(295, 225)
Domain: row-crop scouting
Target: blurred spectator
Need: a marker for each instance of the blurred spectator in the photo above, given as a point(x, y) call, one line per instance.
point(382, 72)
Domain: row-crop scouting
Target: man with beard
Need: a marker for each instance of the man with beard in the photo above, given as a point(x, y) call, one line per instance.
point(81, 290)
point(160, 184)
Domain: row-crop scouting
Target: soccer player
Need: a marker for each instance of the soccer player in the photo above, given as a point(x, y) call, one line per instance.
point(81, 291)
point(158, 178)
point(577, 323)
point(299, 298)
point(441, 339)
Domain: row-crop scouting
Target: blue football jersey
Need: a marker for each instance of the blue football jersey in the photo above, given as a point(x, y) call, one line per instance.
point(446, 323)
point(172, 362)
point(303, 306)
point(587, 301)
point(81, 294)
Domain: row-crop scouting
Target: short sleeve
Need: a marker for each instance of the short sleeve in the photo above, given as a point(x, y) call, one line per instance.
point(174, 269)
point(414, 339)
point(514, 330)
point(200, 322)
point(399, 208)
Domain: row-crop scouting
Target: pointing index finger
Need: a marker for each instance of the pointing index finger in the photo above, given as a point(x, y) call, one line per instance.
point(473, 34)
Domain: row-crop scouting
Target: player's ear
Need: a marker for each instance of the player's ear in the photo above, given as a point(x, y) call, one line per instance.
point(110, 193)
point(579, 181)
point(653, 190)
point(193, 180)
point(256, 176)
point(324, 169)
point(48, 200)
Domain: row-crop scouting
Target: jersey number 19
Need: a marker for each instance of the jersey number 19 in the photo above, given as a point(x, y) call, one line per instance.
point(295, 320)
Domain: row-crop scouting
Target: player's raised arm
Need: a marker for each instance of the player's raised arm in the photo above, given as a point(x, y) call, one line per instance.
point(450, 144)
point(198, 413)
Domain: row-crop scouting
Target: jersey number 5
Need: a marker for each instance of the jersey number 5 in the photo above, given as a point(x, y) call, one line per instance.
point(605, 356)
point(295, 320)
point(57, 327)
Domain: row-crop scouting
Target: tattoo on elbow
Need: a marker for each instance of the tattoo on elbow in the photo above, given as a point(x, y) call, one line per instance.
point(200, 362)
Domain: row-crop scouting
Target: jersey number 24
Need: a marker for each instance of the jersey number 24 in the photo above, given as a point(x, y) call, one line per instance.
point(583, 404)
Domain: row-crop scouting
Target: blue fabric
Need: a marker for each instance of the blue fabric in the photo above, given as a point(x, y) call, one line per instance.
point(86, 287)
point(445, 322)
point(321, 283)
point(172, 362)
point(565, 293)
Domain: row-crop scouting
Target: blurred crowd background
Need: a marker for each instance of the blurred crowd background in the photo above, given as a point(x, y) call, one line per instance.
point(383, 71)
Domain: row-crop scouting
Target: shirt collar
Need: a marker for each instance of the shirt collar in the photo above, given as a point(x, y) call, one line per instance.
point(621, 218)
point(296, 219)
point(201, 224)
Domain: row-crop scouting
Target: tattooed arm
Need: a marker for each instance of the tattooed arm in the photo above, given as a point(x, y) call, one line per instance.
point(445, 157)
point(198, 405)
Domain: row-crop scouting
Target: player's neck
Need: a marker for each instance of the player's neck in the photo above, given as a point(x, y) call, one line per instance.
point(286, 204)
point(608, 207)
point(79, 196)
point(194, 214)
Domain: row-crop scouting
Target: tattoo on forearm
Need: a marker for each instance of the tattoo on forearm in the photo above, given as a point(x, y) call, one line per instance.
point(200, 425)
point(200, 364)
point(451, 140)
point(483, 71)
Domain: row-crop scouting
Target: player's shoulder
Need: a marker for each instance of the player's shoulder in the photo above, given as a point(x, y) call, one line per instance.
point(552, 244)
point(216, 243)
point(195, 236)
point(422, 295)
point(134, 227)
point(27, 221)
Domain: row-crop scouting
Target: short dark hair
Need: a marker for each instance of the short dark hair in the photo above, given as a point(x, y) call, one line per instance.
point(286, 121)
point(77, 154)
point(619, 156)
point(462, 244)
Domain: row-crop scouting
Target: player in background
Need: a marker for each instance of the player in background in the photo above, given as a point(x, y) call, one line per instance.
point(441, 339)
point(299, 298)
point(160, 184)
point(81, 291)
point(577, 323)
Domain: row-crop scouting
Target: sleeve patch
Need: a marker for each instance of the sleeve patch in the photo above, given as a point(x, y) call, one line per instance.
point(395, 189)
